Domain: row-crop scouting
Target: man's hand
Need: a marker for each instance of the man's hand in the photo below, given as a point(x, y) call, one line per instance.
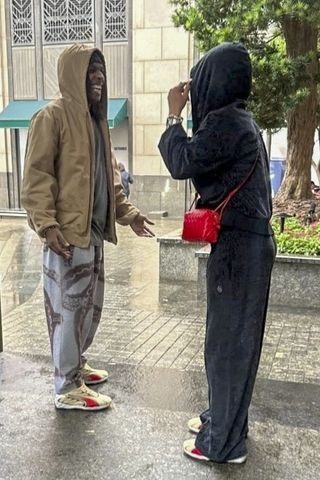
point(139, 226)
point(57, 243)
point(178, 97)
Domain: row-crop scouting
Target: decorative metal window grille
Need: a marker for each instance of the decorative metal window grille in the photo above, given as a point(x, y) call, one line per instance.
point(67, 21)
point(22, 22)
point(115, 20)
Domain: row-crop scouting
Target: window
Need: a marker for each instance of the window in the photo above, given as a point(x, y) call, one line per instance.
point(22, 22)
point(115, 20)
point(66, 21)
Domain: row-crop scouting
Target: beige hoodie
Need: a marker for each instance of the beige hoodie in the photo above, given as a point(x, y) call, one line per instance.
point(58, 182)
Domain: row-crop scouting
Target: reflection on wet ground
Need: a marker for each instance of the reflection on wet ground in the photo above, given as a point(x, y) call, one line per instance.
point(20, 263)
point(144, 321)
point(141, 436)
point(131, 267)
point(151, 340)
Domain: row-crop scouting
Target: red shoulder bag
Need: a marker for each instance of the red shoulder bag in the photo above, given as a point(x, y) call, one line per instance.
point(204, 224)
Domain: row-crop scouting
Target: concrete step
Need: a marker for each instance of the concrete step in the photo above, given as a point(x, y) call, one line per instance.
point(12, 213)
point(158, 214)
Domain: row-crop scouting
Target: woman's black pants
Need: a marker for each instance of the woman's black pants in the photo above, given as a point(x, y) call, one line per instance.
point(238, 280)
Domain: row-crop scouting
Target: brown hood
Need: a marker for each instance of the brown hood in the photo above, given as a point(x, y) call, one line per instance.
point(72, 72)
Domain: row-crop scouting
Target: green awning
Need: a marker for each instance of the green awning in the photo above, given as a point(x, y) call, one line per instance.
point(19, 112)
point(117, 111)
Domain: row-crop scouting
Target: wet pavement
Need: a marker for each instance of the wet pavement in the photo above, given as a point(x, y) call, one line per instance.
point(150, 340)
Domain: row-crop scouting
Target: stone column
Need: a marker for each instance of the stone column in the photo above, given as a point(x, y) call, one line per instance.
point(162, 56)
point(5, 150)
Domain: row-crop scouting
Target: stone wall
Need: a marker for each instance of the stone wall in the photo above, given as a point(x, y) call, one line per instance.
point(4, 200)
point(4, 90)
point(294, 283)
point(158, 193)
point(162, 57)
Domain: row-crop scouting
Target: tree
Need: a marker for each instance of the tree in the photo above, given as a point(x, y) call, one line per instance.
point(282, 37)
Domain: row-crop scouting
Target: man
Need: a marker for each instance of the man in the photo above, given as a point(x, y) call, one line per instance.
point(126, 178)
point(72, 193)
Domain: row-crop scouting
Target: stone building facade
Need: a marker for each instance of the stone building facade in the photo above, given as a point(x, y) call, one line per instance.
point(162, 56)
point(145, 56)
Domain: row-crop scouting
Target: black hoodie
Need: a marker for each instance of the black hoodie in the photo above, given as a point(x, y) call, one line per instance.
point(225, 143)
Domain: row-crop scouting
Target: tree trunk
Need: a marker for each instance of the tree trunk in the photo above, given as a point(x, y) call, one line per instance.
point(301, 39)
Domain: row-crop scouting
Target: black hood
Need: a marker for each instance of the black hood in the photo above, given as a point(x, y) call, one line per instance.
point(220, 78)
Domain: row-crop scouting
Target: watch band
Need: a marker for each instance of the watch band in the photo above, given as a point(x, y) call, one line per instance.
point(173, 120)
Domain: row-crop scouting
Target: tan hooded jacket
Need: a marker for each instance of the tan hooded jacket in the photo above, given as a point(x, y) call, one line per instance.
point(58, 182)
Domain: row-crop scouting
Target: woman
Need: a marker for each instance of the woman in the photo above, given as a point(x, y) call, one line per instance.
point(226, 145)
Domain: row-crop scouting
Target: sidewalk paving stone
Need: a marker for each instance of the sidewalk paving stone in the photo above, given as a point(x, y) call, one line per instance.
point(151, 341)
point(140, 437)
point(143, 322)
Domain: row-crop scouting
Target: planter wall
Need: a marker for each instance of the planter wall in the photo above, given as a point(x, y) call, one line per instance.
point(178, 261)
point(295, 279)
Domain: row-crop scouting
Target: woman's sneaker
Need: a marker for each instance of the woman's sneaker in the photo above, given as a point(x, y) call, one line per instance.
point(195, 425)
point(91, 376)
point(82, 398)
point(192, 451)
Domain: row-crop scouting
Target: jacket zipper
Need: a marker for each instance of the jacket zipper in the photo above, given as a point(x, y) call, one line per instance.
point(92, 172)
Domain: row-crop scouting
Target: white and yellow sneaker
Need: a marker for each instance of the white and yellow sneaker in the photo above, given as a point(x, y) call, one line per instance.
point(192, 451)
point(91, 376)
point(82, 398)
point(195, 424)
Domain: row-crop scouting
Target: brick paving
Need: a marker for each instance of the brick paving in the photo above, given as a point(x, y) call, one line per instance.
point(144, 322)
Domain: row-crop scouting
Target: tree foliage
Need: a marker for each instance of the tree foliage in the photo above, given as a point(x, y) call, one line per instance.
point(281, 80)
